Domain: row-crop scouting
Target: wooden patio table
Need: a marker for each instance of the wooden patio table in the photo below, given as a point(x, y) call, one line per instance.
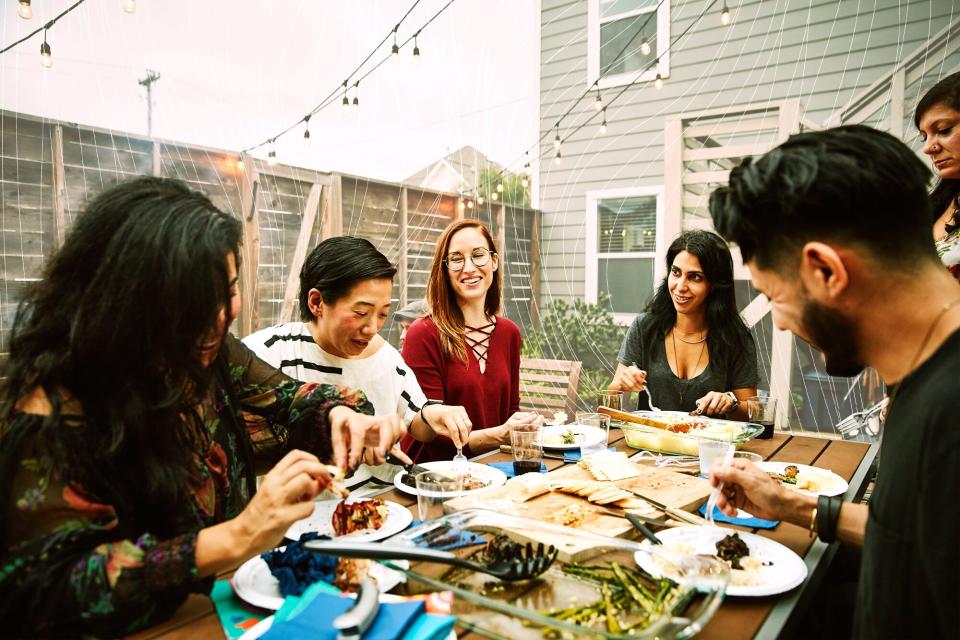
point(767, 617)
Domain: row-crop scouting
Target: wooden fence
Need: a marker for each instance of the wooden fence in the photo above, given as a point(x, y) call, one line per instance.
point(48, 170)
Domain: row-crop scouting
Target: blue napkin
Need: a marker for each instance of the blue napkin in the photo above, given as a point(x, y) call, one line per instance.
point(430, 627)
point(235, 616)
point(453, 539)
point(753, 522)
point(507, 467)
point(316, 620)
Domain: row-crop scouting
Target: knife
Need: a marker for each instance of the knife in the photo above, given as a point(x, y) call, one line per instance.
point(409, 478)
point(676, 514)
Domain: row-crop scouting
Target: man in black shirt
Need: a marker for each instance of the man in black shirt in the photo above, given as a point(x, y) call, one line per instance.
point(835, 227)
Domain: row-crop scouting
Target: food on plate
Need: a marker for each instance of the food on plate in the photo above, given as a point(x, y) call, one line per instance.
point(732, 549)
point(811, 480)
point(335, 484)
point(472, 482)
point(350, 573)
point(610, 465)
point(559, 417)
point(567, 437)
point(744, 568)
point(349, 517)
point(527, 486)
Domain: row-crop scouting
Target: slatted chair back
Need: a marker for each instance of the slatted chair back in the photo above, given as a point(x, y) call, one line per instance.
point(549, 385)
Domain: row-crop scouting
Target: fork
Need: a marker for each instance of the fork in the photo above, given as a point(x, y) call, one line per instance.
point(715, 494)
point(646, 389)
point(528, 564)
point(459, 460)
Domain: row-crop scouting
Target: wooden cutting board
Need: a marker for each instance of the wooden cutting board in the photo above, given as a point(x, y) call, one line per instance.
point(671, 488)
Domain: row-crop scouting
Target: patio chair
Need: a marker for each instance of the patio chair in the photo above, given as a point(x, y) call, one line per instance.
point(549, 385)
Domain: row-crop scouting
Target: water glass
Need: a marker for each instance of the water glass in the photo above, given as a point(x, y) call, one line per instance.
point(433, 489)
point(600, 421)
point(762, 410)
point(755, 458)
point(710, 452)
point(527, 449)
point(614, 400)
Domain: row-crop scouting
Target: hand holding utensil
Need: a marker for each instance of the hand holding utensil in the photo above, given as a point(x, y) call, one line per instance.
point(715, 494)
point(646, 389)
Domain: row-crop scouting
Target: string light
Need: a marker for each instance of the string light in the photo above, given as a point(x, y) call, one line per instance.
point(556, 158)
point(480, 200)
point(603, 125)
point(240, 163)
point(25, 11)
point(525, 180)
point(556, 140)
point(395, 50)
point(306, 127)
point(461, 205)
point(129, 6)
point(499, 187)
point(46, 56)
point(346, 100)
point(272, 156)
point(658, 81)
point(598, 103)
point(356, 90)
point(645, 47)
point(469, 204)
point(416, 48)
point(725, 15)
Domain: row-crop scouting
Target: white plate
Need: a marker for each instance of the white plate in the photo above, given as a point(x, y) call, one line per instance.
point(398, 518)
point(253, 583)
point(494, 477)
point(830, 483)
point(591, 435)
point(786, 571)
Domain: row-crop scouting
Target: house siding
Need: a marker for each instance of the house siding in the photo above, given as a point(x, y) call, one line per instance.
point(820, 52)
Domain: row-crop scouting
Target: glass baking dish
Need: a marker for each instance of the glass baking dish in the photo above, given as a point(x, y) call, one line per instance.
point(519, 610)
point(641, 436)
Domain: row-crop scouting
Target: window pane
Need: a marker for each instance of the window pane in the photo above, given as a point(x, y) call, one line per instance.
point(627, 224)
point(616, 7)
point(620, 44)
point(628, 281)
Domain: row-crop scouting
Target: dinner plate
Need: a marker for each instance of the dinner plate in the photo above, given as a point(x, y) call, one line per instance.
point(254, 584)
point(830, 484)
point(494, 477)
point(321, 521)
point(591, 435)
point(782, 569)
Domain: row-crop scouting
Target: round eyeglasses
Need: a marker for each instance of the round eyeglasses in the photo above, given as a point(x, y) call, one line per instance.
point(479, 257)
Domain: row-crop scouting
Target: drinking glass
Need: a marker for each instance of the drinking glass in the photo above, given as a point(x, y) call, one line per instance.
point(710, 452)
point(600, 421)
point(762, 410)
point(527, 451)
point(755, 458)
point(433, 489)
point(614, 400)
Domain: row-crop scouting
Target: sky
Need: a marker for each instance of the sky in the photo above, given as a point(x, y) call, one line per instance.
point(236, 72)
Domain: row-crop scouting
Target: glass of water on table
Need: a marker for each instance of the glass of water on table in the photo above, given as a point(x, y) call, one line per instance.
point(527, 448)
point(588, 444)
point(614, 400)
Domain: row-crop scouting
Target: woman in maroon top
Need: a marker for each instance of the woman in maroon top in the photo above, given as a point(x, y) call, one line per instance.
point(463, 353)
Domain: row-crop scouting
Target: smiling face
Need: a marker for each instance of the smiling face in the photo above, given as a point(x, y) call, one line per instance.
point(687, 284)
point(471, 282)
point(209, 346)
point(345, 328)
point(940, 131)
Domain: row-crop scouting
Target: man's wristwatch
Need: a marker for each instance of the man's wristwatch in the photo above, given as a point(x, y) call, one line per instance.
point(736, 403)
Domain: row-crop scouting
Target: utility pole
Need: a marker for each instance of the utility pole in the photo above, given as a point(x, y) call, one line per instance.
point(152, 76)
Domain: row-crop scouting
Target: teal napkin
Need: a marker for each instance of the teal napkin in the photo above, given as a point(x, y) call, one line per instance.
point(752, 522)
point(235, 616)
point(315, 621)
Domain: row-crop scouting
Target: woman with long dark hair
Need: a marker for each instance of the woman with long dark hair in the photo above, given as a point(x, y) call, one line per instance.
point(937, 117)
point(690, 344)
point(463, 352)
point(130, 420)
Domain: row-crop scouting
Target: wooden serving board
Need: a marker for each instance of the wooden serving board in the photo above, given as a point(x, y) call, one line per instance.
point(672, 489)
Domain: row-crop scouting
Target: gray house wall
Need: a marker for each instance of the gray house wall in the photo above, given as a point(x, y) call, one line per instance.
point(821, 52)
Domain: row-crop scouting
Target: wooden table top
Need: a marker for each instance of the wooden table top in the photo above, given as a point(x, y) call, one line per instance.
point(765, 617)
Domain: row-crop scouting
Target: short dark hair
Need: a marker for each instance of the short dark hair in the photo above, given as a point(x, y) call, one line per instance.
point(851, 184)
point(336, 265)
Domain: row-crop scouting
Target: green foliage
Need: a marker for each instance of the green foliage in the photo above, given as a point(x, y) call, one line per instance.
point(514, 193)
point(579, 331)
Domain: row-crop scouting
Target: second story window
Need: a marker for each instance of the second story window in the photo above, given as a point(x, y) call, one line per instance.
point(627, 40)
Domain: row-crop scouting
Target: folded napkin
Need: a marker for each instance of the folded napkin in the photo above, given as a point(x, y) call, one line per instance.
point(752, 521)
point(315, 621)
point(449, 539)
point(507, 467)
point(235, 616)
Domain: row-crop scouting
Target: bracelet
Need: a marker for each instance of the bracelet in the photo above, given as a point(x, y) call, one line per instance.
point(828, 514)
point(424, 406)
point(813, 522)
point(736, 403)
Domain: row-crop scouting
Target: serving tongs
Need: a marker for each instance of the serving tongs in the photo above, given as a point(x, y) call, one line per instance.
point(529, 563)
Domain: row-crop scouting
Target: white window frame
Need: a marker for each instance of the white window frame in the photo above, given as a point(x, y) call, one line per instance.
point(593, 47)
point(592, 264)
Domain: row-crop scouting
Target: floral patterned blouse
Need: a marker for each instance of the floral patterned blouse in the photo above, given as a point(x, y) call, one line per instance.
point(948, 248)
point(70, 566)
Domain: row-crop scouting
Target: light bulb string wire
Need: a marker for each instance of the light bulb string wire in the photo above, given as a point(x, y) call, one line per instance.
point(43, 27)
point(591, 116)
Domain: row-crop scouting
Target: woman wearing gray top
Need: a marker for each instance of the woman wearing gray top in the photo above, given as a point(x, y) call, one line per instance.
point(690, 343)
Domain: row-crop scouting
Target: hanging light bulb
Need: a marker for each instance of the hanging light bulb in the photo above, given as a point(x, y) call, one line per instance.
point(725, 16)
point(658, 82)
point(524, 182)
point(480, 200)
point(272, 156)
point(25, 11)
point(556, 159)
point(494, 196)
point(469, 204)
point(46, 57)
point(461, 205)
point(356, 90)
point(346, 100)
point(129, 6)
point(556, 139)
point(306, 127)
point(395, 50)
point(645, 47)
point(416, 48)
point(603, 125)
point(598, 103)
point(240, 163)
point(499, 187)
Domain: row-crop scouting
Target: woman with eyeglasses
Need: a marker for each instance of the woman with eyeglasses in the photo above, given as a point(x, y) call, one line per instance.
point(463, 353)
